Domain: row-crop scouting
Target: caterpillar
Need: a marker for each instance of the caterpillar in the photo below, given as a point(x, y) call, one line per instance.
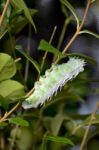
point(54, 78)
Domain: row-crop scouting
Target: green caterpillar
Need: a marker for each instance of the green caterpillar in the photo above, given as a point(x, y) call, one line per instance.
point(53, 79)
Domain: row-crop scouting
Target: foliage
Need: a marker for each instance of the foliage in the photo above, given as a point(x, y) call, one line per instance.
point(56, 124)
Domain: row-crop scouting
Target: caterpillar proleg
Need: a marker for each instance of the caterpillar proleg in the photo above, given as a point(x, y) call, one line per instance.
point(53, 79)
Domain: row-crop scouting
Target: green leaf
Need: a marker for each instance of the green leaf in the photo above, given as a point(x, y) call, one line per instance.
point(35, 64)
point(18, 21)
point(89, 32)
point(56, 124)
point(21, 4)
point(59, 140)
point(11, 89)
point(45, 46)
point(3, 102)
point(7, 67)
point(64, 10)
point(69, 6)
point(19, 121)
point(87, 58)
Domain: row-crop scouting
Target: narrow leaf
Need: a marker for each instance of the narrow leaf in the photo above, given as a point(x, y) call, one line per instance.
point(60, 140)
point(56, 125)
point(69, 6)
point(89, 32)
point(45, 46)
point(21, 4)
point(19, 121)
point(36, 65)
point(87, 58)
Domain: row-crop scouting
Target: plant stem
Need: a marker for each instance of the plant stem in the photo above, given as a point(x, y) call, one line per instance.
point(88, 128)
point(14, 138)
point(4, 118)
point(50, 41)
point(44, 58)
point(77, 31)
point(17, 60)
point(28, 52)
point(4, 11)
point(63, 32)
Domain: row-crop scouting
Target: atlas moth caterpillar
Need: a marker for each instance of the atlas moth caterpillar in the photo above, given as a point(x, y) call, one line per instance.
point(53, 79)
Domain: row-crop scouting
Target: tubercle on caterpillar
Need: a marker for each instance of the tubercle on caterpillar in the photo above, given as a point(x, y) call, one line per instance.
point(53, 79)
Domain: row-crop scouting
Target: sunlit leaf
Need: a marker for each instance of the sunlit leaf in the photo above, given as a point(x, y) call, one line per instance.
point(7, 66)
point(11, 89)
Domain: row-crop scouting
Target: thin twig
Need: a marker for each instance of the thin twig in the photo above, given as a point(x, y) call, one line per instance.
point(78, 29)
point(17, 60)
point(7, 114)
point(28, 52)
point(67, 21)
point(44, 58)
point(4, 11)
point(30, 92)
point(85, 14)
point(50, 41)
point(88, 128)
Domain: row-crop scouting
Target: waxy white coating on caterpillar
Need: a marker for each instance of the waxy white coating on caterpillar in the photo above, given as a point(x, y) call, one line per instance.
point(53, 79)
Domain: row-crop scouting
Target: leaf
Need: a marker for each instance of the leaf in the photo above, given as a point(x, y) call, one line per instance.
point(11, 89)
point(56, 124)
point(19, 121)
point(18, 21)
point(59, 140)
point(35, 64)
point(3, 102)
point(69, 6)
point(45, 46)
point(64, 10)
point(87, 58)
point(21, 4)
point(7, 66)
point(89, 32)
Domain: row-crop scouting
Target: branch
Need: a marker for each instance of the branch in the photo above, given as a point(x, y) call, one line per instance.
point(88, 128)
point(4, 11)
point(78, 29)
point(7, 114)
